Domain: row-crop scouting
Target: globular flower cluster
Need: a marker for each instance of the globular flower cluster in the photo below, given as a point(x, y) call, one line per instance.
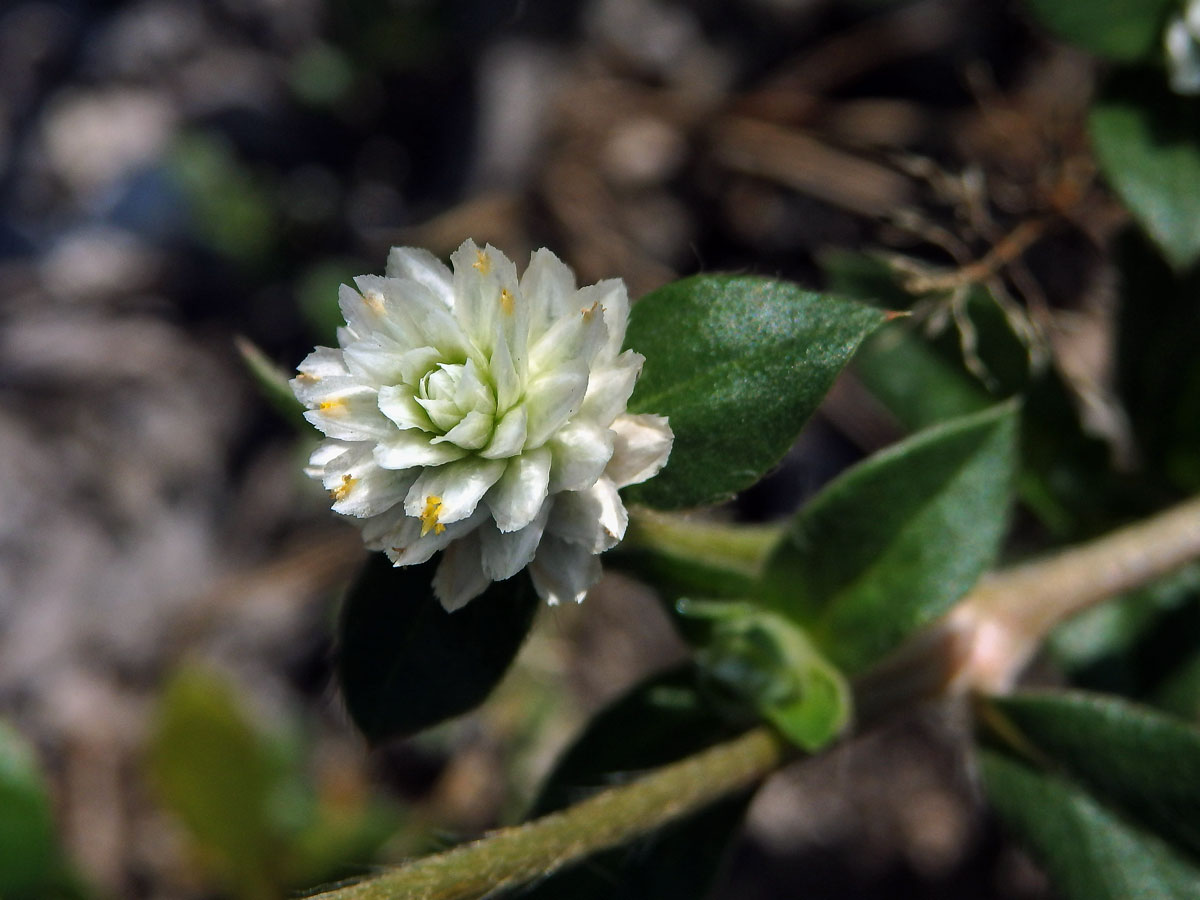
point(1182, 44)
point(482, 415)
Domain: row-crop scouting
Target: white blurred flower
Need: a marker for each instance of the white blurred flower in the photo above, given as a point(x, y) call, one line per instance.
point(1182, 44)
point(482, 415)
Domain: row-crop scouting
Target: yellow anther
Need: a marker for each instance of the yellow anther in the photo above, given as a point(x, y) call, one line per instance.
point(429, 517)
point(308, 376)
point(374, 300)
point(342, 491)
point(590, 311)
point(483, 262)
point(333, 406)
point(506, 301)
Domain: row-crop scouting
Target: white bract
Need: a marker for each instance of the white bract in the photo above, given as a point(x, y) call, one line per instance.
point(482, 415)
point(1182, 43)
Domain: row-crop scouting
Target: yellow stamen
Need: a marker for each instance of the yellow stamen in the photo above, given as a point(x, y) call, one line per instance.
point(308, 376)
point(429, 518)
point(506, 301)
point(374, 300)
point(342, 491)
point(483, 262)
point(590, 311)
point(333, 406)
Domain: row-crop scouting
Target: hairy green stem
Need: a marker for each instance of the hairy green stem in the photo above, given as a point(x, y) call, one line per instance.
point(1010, 613)
point(984, 643)
point(515, 855)
point(739, 548)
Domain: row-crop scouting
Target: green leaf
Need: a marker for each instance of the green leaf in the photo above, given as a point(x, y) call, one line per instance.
point(272, 381)
point(1089, 851)
point(29, 857)
point(213, 770)
point(1147, 140)
point(1180, 691)
point(1122, 30)
point(890, 545)
point(1065, 477)
point(662, 720)
point(769, 662)
point(1105, 792)
point(916, 383)
point(405, 664)
point(737, 364)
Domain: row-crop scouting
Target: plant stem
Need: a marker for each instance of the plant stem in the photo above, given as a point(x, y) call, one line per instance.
point(739, 548)
point(984, 643)
point(1011, 612)
point(513, 856)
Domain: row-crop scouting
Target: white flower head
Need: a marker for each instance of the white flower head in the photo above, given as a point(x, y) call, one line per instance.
point(482, 415)
point(1181, 41)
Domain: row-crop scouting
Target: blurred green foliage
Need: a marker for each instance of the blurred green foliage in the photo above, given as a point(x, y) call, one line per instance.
point(31, 864)
point(245, 795)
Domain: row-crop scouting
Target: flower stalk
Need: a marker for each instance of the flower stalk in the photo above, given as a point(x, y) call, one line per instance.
point(962, 652)
point(513, 856)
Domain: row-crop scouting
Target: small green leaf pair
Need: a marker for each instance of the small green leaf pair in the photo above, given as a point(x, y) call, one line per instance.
point(767, 660)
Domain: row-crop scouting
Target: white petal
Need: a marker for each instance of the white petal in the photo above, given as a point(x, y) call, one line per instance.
point(384, 360)
point(563, 571)
point(351, 417)
point(509, 437)
point(551, 401)
point(480, 276)
point(375, 359)
point(520, 493)
point(641, 446)
point(406, 449)
point(460, 576)
point(609, 387)
point(361, 488)
point(390, 529)
point(614, 300)
point(415, 364)
point(413, 314)
point(471, 433)
point(444, 414)
point(507, 553)
point(595, 519)
point(323, 362)
point(574, 338)
point(362, 317)
point(421, 265)
point(457, 487)
point(322, 374)
point(471, 392)
point(413, 548)
point(581, 450)
point(312, 391)
point(325, 454)
point(548, 287)
point(508, 375)
point(398, 404)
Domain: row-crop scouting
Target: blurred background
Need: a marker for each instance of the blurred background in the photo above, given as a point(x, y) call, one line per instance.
point(179, 175)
